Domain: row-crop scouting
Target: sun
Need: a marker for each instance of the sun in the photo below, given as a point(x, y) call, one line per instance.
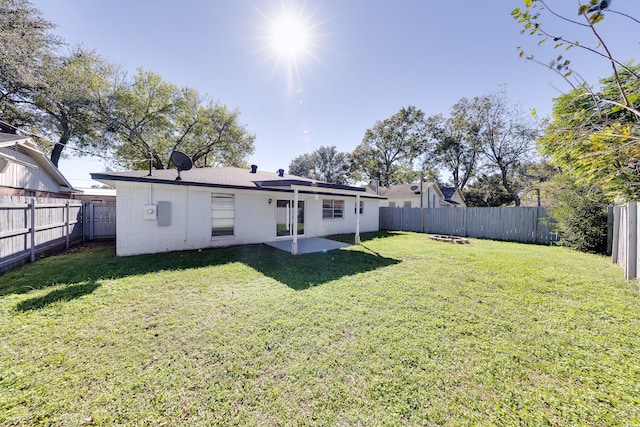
point(290, 37)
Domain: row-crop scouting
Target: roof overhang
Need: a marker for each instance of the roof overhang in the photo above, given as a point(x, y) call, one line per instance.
point(39, 157)
point(283, 186)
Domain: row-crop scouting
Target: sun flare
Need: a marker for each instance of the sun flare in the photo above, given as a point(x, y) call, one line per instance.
point(290, 37)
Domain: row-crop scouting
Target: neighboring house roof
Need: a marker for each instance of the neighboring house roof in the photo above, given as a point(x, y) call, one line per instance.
point(404, 190)
point(111, 192)
point(448, 193)
point(236, 178)
point(33, 150)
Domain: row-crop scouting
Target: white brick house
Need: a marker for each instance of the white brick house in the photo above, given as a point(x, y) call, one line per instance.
point(213, 207)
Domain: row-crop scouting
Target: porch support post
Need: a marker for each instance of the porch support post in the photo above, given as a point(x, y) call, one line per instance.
point(294, 244)
point(357, 238)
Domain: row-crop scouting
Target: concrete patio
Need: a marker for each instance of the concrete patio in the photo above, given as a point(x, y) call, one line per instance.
point(308, 245)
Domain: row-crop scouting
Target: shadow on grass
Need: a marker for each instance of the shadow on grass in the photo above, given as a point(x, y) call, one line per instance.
point(364, 237)
point(81, 270)
point(67, 293)
point(305, 271)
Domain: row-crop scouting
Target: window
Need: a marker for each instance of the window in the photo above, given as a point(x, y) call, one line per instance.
point(332, 209)
point(355, 207)
point(407, 204)
point(222, 213)
point(392, 204)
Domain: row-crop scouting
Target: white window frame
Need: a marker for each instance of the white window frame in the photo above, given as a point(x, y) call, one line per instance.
point(355, 207)
point(333, 206)
point(222, 214)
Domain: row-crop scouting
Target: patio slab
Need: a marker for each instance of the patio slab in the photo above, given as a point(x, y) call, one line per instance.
point(308, 245)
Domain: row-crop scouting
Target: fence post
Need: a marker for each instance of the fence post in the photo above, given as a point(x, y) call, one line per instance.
point(615, 240)
point(67, 215)
point(91, 221)
point(535, 231)
point(630, 270)
point(609, 229)
point(32, 209)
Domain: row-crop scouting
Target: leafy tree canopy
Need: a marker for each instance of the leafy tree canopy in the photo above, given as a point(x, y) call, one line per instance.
point(457, 145)
point(487, 191)
point(149, 118)
point(80, 99)
point(324, 164)
point(598, 142)
point(26, 45)
point(388, 150)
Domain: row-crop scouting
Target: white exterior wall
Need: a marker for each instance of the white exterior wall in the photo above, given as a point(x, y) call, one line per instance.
point(190, 225)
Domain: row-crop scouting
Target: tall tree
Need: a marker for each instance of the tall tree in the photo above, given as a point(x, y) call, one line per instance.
point(26, 45)
point(388, 150)
point(150, 118)
point(324, 164)
point(66, 104)
point(507, 137)
point(457, 146)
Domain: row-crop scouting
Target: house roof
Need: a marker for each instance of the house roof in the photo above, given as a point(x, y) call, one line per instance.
point(238, 178)
point(448, 193)
point(34, 151)
point(403, 190)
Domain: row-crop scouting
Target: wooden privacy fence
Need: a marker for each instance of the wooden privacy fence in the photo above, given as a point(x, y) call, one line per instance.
point(30, 227)
point(516, 224)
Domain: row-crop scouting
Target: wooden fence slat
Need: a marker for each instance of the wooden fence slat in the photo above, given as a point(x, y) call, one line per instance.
point(519, 224)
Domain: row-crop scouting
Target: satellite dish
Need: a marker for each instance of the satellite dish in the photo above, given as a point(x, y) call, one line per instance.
point(181, 161)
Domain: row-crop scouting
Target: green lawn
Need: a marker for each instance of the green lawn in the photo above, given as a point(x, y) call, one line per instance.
point(401, 330)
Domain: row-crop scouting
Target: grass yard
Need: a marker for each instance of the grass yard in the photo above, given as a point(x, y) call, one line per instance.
point(401, 330)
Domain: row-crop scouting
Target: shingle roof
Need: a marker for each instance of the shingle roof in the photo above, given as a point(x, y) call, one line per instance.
point(219, 177)
point(447, 192)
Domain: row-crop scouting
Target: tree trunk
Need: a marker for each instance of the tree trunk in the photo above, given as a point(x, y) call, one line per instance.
point(59, 146)
point(505, 184)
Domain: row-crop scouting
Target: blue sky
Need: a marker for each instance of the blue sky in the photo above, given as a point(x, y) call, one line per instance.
point(363, 60)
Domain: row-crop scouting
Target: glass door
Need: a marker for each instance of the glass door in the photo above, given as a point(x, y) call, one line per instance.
point(285, 217)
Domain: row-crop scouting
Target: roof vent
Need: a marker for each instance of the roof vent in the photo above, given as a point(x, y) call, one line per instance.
point(280, 172)
point(254, 168)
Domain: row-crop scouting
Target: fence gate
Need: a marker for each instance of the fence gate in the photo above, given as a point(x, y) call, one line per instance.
point(99, 220)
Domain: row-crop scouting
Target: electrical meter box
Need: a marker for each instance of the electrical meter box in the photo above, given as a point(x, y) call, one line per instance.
point(150, 211)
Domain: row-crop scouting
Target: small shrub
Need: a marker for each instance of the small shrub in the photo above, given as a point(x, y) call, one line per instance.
point(580, 216)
